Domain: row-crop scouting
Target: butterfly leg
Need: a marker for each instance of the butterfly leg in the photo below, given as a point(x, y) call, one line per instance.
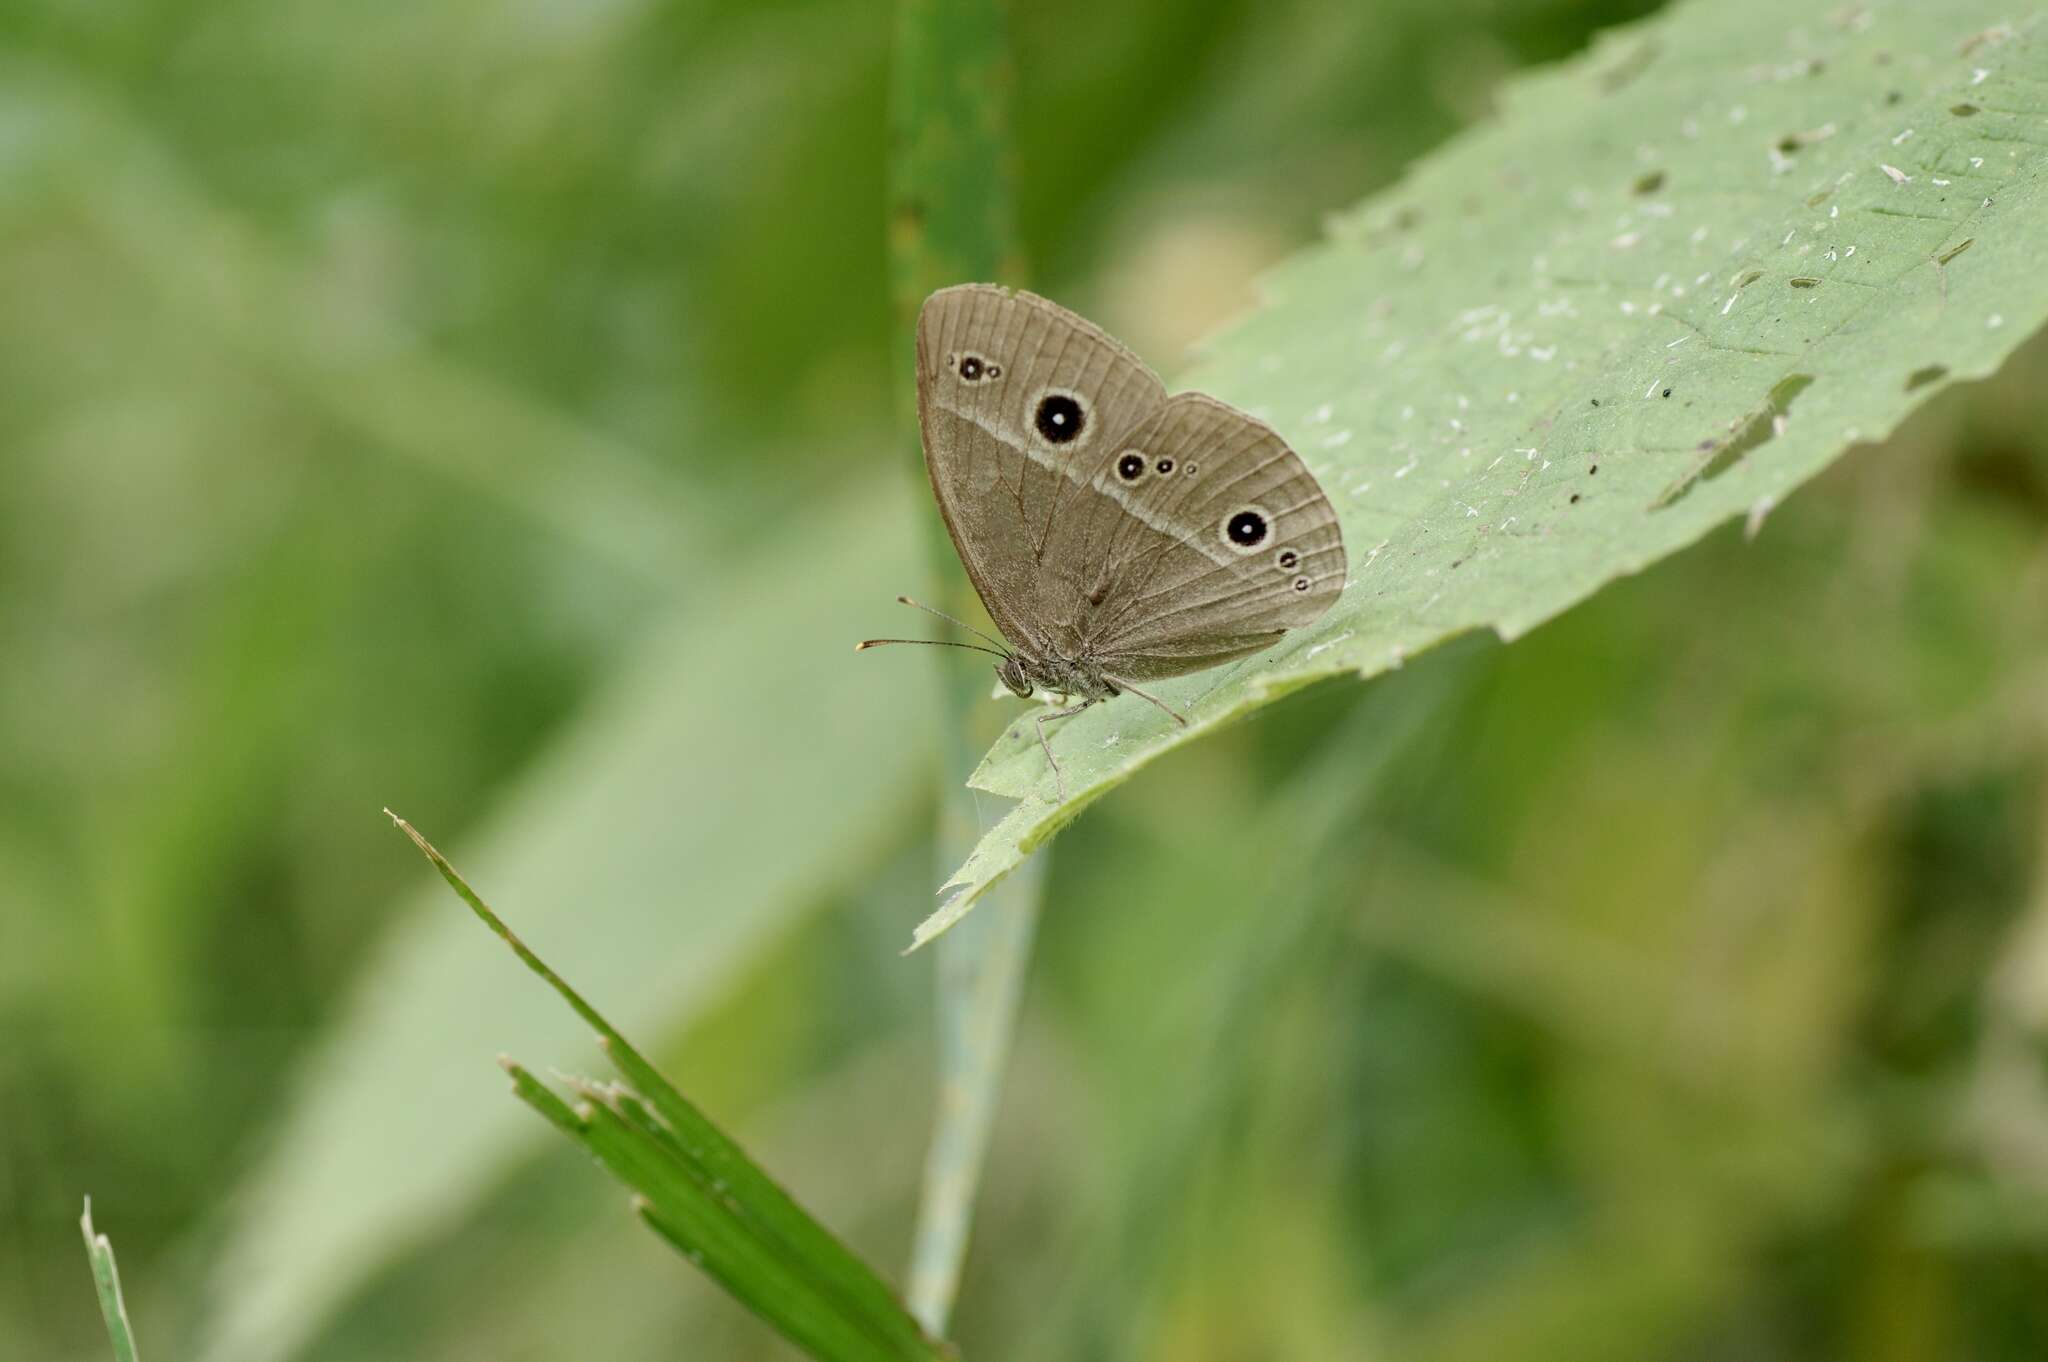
point(1059, 785)
point(1171, 712)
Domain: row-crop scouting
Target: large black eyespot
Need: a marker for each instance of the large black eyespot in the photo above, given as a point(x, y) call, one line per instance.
point(1059, 418)
point(1165, 466)
point(1246, 529)
point(1287, 558)
point(1131, 467)
point(971, 367)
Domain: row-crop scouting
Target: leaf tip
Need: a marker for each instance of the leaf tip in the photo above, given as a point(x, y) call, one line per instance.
point(948, 913)
point(426, 847)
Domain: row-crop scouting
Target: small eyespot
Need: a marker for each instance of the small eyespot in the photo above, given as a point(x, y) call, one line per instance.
point(1060, 419)
point(1302, 584)
point(1131, 467)
point(1286, 559)
point(1164, 467)
point(971, 367)
point(1246, 529)
point(1191, 470)
point(995, 371)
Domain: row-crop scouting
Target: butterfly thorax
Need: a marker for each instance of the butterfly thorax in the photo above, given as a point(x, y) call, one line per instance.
point(1074, 677)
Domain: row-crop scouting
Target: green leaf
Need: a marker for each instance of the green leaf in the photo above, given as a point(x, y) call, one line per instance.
point(1679, 277)
point(106, 1278)
point(653, 909)
point(703, 1194)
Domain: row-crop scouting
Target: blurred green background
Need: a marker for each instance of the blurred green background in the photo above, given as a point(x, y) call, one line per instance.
point(382, 389)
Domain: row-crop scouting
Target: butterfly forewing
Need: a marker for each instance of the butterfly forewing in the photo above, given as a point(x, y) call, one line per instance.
point(1017, 398)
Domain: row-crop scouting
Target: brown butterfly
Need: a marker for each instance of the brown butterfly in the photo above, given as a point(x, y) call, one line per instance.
point(1115, 534)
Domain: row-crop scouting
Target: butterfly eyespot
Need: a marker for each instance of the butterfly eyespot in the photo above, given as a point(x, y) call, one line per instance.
point(1164, 467)
point(1191, 469)
point(972, 368)
point(995, 371)
point(1286, 559)
point(1246, 529)
point(1131, 467)
point(1302, 584)
point(1060, 419)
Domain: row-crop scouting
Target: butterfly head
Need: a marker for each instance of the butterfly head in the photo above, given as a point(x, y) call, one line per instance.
point(1010, 671)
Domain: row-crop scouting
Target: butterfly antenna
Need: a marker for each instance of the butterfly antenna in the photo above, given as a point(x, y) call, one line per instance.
point(920, 605)
point(927, 642)
point(1172, 713)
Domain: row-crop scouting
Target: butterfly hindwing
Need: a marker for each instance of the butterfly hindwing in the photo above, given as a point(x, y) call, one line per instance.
point(1220, 540)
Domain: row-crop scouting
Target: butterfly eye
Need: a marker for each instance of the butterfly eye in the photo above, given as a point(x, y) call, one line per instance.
point(1060, 418)
point(1165, 466)
point(1301, 583)
point(1246, 529)
point(1131, 467)
point(1286, 559)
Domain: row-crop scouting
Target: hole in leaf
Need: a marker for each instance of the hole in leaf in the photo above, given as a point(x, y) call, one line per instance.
point(1762, 426)
point(1920, 378)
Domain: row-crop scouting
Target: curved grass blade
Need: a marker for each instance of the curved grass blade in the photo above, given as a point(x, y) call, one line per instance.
point(700, 1191)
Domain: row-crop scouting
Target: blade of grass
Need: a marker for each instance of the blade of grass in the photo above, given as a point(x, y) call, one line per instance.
point(589, 832)
point(106, 1278)
point(702, 1192)
point(953, 217)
